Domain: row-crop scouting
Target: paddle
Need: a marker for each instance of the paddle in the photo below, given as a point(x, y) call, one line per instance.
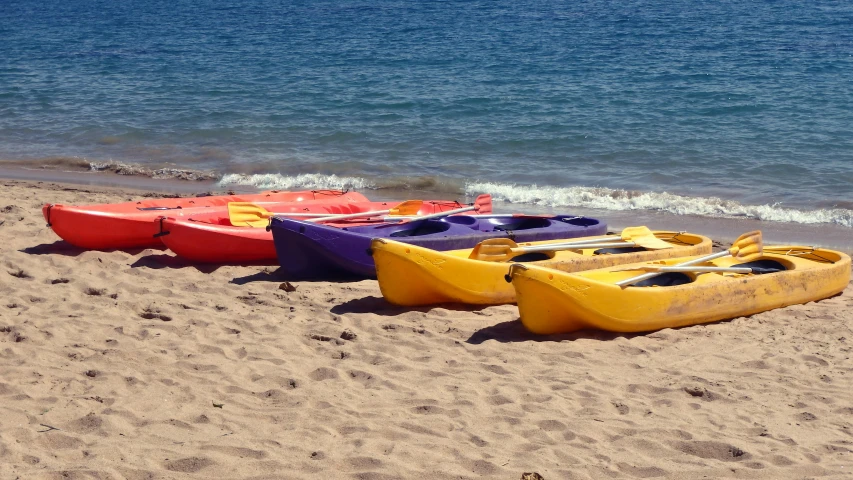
point(482, 205)
point(504, 249)
point(409, 207)
point(677, 268)
point(747, 246)
point(257, 216)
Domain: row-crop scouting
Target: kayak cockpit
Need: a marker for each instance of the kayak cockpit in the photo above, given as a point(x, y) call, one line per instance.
point(669, 279)
point(517, 223)
point(763, 266)
point(425, 228)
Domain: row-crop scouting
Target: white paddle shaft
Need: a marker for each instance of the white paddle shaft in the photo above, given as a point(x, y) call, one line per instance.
point(640, 278)
point(320, 215)
point(443, 214)
point(349, 215)
point(569, 246)
point(687, 268)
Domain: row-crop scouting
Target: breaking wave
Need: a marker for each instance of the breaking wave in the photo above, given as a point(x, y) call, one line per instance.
point(612, 199)
point(119, 168)
point(275, 181)
point(548, 196)
point(78, 164)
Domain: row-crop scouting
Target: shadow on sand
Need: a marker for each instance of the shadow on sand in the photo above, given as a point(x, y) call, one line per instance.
point(160, 261)
point(61, 247)
point(279, 275)
point(514, 331)
point(380, 306)
point(372, 304)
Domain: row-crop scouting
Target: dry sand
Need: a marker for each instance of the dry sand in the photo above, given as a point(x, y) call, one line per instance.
point(139, 365)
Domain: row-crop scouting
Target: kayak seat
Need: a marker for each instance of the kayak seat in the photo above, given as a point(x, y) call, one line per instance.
point(522, 224)
point(766, 266)
point(580, 221)
point(465, 220)
point(669, 279)
point(426, 228)
point(530, 257)
point(617, 250)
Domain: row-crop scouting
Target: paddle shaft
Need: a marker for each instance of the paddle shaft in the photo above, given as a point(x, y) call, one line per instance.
point(687, 268)
point(640, 278)
point(299, 215)
point(605, 238)
point(320, 215)
point(591, 242)
point(755, 270)
point(443, 214)
point(569, 246)
point(349, 215)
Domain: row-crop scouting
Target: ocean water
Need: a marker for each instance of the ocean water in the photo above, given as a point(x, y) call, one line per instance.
point(711, 109)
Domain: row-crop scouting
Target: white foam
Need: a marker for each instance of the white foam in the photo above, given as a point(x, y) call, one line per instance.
point(610, 199)
point(132, 169)
point(275, 181)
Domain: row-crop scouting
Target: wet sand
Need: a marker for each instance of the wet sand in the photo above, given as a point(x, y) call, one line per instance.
point(139, 365)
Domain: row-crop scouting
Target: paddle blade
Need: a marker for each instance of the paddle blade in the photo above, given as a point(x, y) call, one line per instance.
point(748, 246)
point(245, 213)
point(483, 204)
point(629, 233)
point(494, 250)
point(409, 207)
point(643, 237)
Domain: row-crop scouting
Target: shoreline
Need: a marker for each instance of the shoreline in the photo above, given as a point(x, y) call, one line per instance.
point(136, 364)
point(723, 230)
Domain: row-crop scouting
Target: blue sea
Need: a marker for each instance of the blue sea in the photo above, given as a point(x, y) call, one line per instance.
point(713, 109)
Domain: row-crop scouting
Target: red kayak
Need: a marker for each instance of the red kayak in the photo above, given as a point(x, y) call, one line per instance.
point(131, 224)
point(211, 238)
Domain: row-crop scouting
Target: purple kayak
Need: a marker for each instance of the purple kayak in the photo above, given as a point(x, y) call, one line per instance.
point(310, 250)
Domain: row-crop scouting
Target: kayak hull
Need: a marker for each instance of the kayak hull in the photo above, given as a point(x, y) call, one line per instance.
point(411, 276)
point(204, 242)
point(307, 250)
point(131, 224)
point(550, 301)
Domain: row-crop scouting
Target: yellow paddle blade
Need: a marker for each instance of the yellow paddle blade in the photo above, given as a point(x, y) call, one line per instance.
point(494, 250)
point(409, 207)
point(643, 237)
point(748, 246)
point(629, 233)
point(246, 213)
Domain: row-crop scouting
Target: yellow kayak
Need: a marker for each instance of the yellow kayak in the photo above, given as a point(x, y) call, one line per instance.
point(551, 301)
point(410, 275)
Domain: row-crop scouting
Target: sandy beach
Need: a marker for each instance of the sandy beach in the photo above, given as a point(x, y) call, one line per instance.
point(139, 365)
